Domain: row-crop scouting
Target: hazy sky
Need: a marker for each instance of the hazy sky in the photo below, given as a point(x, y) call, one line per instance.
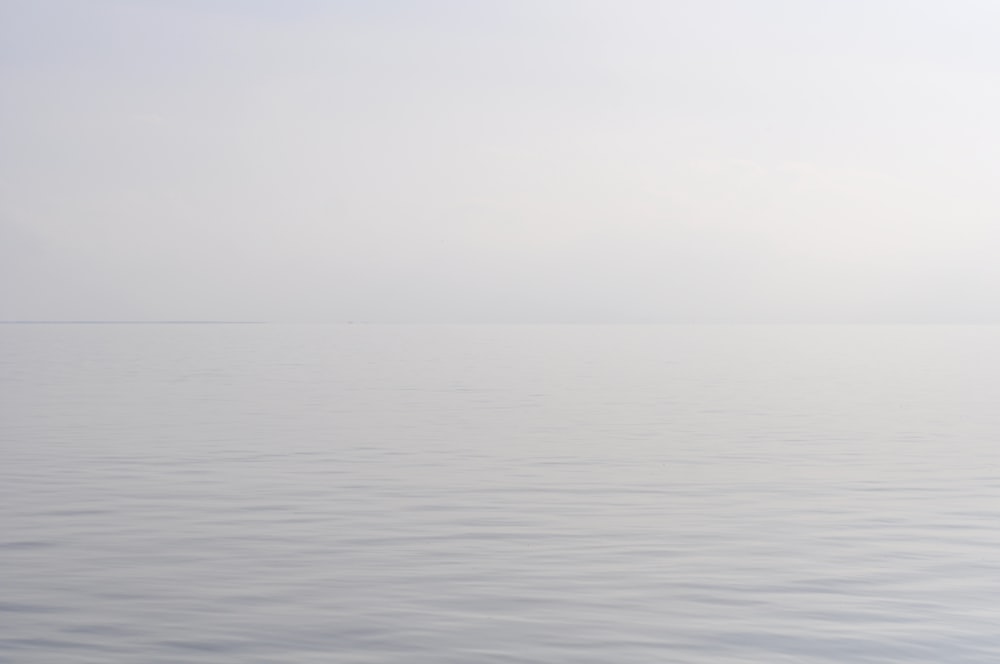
point(500, 160)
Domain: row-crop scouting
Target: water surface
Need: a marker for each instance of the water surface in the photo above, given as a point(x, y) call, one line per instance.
point(499, 494)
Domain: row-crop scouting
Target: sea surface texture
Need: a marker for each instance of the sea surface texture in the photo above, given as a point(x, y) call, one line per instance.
point(362, 494)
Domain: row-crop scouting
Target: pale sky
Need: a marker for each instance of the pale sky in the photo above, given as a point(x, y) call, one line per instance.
point(500, 160)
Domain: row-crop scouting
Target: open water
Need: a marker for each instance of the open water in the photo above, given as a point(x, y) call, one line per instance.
point(276, 494)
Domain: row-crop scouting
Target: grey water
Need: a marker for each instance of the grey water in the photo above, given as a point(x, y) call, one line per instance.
point(391, 494)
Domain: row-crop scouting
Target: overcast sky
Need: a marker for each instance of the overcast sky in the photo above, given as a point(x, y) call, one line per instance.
point(500, 160)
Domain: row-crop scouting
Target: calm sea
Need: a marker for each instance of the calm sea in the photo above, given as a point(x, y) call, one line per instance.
point(276, 494)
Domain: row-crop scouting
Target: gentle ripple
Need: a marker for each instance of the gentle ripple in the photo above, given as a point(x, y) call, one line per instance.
point(529, 494)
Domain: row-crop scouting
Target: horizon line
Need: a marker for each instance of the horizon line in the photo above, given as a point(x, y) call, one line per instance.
point(527, 322)
point(132, 322)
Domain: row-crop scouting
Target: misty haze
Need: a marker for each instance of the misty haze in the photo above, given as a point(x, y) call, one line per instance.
point(543, 161)
point(499, 331)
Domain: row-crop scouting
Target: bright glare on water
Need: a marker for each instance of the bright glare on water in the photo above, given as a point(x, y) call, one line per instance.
point(269, 494)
